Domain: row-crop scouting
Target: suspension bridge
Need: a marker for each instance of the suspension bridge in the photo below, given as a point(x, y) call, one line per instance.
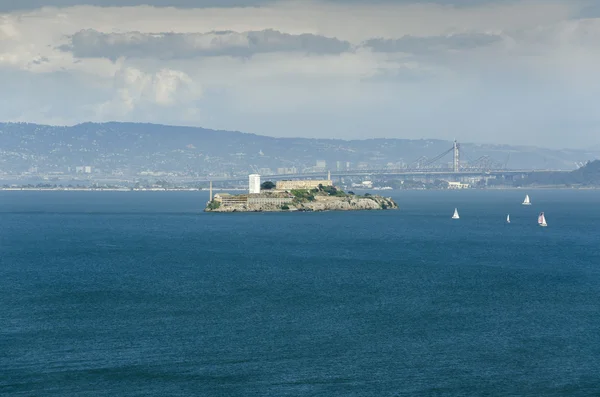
point(482, 164)
point(439, 166)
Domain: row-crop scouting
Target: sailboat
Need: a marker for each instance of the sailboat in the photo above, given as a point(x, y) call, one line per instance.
point(542, 220)
point(508, 218)
point(526, 201)
point(455, 216)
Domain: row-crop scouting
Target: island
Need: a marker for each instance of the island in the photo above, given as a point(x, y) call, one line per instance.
point(299, 195)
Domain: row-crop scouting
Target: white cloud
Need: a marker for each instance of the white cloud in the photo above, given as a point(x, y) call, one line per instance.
point(310, 68)
point(137, 89)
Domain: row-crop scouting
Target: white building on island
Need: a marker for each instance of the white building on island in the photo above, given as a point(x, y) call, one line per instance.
point(254, 184)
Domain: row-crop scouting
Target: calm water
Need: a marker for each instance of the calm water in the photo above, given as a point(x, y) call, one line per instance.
point(141, 294)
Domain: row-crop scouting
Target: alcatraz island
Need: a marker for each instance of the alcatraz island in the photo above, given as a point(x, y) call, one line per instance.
point(296, 195)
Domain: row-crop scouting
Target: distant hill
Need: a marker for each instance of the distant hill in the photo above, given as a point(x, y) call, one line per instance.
point(131, 148)
point(586, 176)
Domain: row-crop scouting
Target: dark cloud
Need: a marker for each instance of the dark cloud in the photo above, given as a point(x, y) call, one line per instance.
point(12, 5)
point(40, 60)
point(592, 10)
point(94, 44)
point(423, 45)
point(454, 3)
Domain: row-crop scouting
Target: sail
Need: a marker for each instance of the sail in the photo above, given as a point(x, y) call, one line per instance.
point(542, 219)
point(526, 201)
point(507, 218)
point(455, 216)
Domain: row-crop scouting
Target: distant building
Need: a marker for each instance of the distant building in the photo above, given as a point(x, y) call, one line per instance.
point(300, 184)
point(265, 171)
point(321, 164)
point(253, 183)
point(84, 169)
point(276, 199)
point(458, 185)
point(227, 199)
point(363, 184)
point(285, 170)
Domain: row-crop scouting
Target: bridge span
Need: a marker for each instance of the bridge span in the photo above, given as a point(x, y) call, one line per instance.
point(422, 167)
point(451, 174)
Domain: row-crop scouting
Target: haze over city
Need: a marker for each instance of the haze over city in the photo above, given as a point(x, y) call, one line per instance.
point(518, 72)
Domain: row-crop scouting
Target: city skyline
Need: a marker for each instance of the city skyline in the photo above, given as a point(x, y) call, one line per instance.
point(516, 72)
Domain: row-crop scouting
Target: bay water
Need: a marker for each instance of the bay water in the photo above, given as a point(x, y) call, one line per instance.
point(143, 294)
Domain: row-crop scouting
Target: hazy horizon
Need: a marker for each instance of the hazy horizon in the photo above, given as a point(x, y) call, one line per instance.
point(482, 71)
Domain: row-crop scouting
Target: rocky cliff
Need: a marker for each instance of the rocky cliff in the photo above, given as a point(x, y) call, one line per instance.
point(348, 203)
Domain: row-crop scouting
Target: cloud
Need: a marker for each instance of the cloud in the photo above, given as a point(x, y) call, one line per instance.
point(478, 70)
point(93, 44)
point(429, 44)
point(136, 88)
point(192, 4)
point(168, 46)
point(348, 21)
point(33, 4)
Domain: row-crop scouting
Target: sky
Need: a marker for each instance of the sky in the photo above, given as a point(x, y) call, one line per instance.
point(487, 71)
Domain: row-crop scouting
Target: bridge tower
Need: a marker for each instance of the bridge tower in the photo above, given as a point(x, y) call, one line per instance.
point(456, 164)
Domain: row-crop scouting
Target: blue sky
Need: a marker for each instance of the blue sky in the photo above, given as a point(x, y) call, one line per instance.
point(519, 72)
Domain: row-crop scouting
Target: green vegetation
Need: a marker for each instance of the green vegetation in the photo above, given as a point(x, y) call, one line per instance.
point(267, 185)
point(213, 205)
point(302, 196)
point(285, 207)
point(332, 191)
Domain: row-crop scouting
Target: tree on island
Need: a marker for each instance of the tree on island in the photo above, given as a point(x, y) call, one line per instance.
point(330, 190)
point(267, 185)
point(213, 205)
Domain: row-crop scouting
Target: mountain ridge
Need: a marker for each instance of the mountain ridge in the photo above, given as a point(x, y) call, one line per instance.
point(129, 148)
point(133, 123)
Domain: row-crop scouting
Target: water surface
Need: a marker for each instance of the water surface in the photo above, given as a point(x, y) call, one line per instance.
point(140, 293)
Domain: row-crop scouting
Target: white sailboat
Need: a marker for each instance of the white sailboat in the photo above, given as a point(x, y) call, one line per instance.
point(526, 201)
point(542, 220)
point(455, 216)
point(508, 218)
